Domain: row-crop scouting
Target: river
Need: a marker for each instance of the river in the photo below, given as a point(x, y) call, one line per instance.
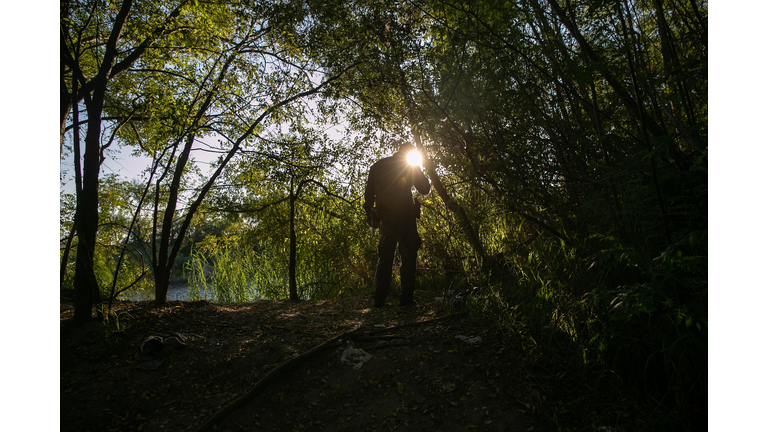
point(176, 291)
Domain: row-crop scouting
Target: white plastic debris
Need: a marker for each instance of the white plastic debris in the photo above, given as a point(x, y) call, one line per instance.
point(352, 355)
point(469, 340)
point(379, 325)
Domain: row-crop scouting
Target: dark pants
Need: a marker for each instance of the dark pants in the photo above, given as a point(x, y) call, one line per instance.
point(390, 236)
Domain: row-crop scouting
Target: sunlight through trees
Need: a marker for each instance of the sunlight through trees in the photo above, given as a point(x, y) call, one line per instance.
point(566, 144)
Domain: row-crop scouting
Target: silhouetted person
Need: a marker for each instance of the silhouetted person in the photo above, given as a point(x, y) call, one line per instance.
point(389, 187)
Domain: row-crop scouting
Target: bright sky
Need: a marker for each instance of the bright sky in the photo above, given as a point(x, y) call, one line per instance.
point(120, 161)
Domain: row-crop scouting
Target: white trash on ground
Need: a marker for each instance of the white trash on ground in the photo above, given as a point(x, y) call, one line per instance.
point(356, 356)
point(469, 340)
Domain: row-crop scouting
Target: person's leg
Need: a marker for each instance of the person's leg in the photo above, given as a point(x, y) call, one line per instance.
point(383, 278)
point(409, 246)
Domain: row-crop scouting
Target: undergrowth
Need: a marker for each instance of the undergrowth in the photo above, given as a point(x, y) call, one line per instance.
point(618, 315)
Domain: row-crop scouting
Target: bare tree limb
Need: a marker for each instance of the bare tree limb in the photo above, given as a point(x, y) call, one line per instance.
point(254, 391)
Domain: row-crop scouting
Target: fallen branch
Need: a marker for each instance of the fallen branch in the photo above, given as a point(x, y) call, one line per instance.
point(375, 347)
point(242, 400)
point(413, 324)
point(372, 338)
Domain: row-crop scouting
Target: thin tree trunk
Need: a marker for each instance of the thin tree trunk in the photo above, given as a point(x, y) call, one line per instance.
point(87, 214)
point(167, 256)
point(130, 230)
point(65, 257)
point(164, 264)
point(646, 138)
point(671, 61)
point(634, 108)
point(292, 288)
point(701, 20)
point(455, 208)
point(65, 99)
point(78, 179)
point(616, 207)
point(65, 110)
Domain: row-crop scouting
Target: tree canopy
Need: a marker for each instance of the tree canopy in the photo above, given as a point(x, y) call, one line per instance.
point(566, 143)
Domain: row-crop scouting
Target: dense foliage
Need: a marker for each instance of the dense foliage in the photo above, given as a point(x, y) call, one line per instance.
point(566, 143)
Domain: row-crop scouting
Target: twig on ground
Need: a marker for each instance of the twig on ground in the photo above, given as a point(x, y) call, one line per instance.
point(371, 338)
point(389, 345)
point(250, 394)
point(414, 324)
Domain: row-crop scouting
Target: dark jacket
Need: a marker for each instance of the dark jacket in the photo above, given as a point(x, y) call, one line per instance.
point(389, 186)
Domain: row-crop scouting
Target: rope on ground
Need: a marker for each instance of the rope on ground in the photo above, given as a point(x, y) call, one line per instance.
point(250, 394)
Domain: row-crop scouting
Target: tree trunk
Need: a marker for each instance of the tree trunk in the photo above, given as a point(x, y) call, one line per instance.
point(65, 257)
point(65, 99)
point(450, 203)
point(614, 204)
point(130, 230)
point(87, 215)
point(66, 107)
point(292, 288)
point(634, 108)
point(166, 258)
point(643, 127)
point(93, 92)
point(466, 225)
point(162, 281)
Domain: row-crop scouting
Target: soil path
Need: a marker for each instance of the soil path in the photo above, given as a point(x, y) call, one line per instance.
point(427, 372)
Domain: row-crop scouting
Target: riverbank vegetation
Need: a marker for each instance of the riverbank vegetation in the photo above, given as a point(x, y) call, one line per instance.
point(566, 144)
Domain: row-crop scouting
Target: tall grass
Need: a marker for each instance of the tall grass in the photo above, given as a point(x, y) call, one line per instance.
point(232, 272)
point(642, 320)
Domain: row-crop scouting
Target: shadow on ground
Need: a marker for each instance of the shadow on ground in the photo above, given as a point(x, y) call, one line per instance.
point(427, 372)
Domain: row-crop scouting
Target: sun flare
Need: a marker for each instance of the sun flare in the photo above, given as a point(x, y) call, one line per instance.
point(414, 158)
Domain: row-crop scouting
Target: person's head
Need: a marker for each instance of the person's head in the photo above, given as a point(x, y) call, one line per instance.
point(405, 148)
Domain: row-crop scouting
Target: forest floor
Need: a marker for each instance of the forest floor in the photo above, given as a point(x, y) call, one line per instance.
point(422, 375)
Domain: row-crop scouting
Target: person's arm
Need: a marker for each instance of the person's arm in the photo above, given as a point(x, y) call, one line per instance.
point(370, 192)
point(420, 181)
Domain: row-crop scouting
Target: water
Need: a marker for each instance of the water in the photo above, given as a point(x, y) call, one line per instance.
point(176, 291)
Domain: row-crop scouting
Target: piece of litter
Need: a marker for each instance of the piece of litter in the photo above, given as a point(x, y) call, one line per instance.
point(438, 299)
point(379, 325)
point(354, 355)
point(469, 340)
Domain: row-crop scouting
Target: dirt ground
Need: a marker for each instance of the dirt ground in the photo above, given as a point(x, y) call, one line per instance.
point(428, 371)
